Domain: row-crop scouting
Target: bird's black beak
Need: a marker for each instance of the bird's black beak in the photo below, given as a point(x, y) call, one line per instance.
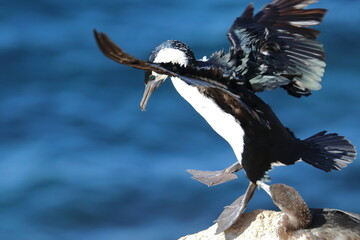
point(150, 87)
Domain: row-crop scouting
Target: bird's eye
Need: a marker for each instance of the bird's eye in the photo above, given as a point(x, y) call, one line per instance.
point(152, 77)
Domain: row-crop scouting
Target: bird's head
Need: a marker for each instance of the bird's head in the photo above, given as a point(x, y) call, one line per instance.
point(171, 51)
point(296, 214)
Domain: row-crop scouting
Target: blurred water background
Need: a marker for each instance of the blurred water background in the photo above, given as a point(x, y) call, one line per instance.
point(79, 160)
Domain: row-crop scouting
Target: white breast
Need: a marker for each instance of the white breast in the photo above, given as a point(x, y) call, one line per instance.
point(223, 123)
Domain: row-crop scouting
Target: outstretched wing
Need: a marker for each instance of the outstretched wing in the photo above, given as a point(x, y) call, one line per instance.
point(191, 75)
point(112, 51)
point(277, 47)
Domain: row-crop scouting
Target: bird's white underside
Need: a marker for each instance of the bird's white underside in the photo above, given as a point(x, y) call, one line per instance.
point(223, 123)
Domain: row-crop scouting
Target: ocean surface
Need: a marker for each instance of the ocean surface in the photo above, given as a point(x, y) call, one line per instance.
point(79, 160)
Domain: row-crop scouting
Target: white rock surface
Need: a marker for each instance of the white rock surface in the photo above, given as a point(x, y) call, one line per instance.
point(259, 224)
point(266, 225)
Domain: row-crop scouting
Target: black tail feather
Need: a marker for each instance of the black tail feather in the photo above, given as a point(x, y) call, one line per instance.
point(328, 151)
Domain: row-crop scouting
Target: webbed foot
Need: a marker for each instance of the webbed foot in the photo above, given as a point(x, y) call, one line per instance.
point(232, 212)
point(212, 178)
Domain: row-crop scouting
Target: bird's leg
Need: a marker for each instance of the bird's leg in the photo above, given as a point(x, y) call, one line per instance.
point(212, 178)
point(232, 213)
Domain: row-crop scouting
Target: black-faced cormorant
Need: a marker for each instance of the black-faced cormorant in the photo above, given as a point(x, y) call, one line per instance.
point(274, 48)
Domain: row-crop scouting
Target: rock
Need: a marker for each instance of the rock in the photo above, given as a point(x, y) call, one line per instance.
point(328, 224)
point(295, 221)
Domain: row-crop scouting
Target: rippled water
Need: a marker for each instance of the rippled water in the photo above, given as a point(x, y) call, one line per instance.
point(79, 160)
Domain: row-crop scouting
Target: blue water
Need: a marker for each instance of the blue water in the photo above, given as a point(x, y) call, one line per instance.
point(79, 160)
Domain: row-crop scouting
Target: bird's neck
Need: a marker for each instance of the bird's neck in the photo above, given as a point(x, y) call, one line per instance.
point(298, 218)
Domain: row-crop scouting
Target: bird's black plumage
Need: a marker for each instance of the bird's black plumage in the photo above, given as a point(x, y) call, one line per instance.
point(271, 49)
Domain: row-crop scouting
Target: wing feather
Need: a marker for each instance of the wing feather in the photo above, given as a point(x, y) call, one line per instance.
point(278, 39)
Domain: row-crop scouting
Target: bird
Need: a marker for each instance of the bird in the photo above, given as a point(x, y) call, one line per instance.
point(273, 48)
point(299, 222)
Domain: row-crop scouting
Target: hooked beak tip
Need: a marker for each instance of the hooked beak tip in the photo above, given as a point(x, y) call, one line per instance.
point(143, 105)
